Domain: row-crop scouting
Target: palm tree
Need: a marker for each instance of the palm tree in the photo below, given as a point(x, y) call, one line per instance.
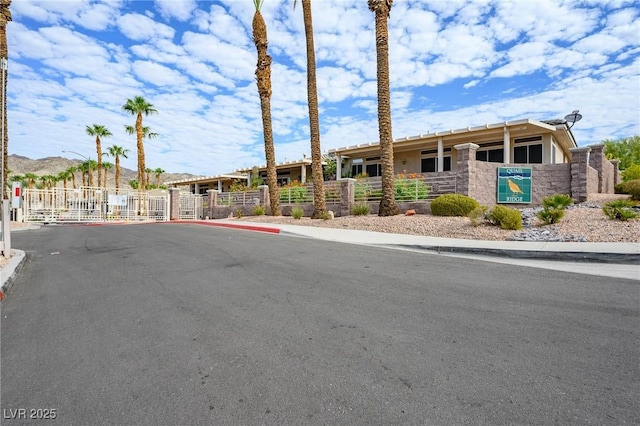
point(93, 166)
point(5, 16)
point(64, 176)
point(382, 9)
point(99, 131)
point(146, 133)
point(116, 152)
point(147, 174)
point(72, 173)
point(84, 169)
point(319, 204)
point(137, 107)
point(106, 166)
point(31, 179)
point(263, 79)
point(158, 172)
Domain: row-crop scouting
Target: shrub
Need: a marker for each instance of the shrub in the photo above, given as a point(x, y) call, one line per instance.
point(631, 173)
point(360, 209)
point(297, 212)
point(294, 192)
point(557, 201)
point(410, 187)
point(453, 205)
point(238, 214)
point(362, 191)
point(633, 189)
point(505, 217)
point(620, 210)
point(553, 208)
point(259, 211)
point(478, 215)
point(550, 215)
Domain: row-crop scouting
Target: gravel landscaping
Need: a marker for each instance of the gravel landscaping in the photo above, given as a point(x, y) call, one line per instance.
point(582, 222)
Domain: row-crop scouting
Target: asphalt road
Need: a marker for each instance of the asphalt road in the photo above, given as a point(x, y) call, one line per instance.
point(173, 324)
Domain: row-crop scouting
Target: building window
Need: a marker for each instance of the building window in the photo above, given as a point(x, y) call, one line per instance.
point(356, 169)
point(492, 152)
point(490, 155)
point(528, 154)
point(430, 164)
point(373, 170)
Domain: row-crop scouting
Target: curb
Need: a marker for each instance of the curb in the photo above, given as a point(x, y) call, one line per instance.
point(570, 256)
point(10, 270)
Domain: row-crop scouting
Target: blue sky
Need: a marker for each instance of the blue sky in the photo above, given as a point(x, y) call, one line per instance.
point(453, 64)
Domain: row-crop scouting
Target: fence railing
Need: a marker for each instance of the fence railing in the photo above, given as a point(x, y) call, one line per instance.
point(248, 198)
point(88, 204)
point(425, 188)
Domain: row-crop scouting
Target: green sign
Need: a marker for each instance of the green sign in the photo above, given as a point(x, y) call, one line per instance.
point(514, 185)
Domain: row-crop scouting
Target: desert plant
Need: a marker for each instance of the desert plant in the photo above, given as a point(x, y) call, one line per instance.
point(505, 217)
point(297, 212)
point(620, 210)
point(478, 215)
point(557, 201)
point(453, 205)
point(238, 214)
point(293, 193)
point(326, 215)
point(259, 210)
point(553, 208)
point(362, 191)
point(360, 209)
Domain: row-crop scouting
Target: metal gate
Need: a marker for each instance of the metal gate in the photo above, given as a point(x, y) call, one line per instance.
point(191, 206)
point(63, 205)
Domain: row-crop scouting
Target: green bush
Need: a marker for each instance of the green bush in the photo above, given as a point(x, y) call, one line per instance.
point(362, 191)
point(293, 194)
point(410, 189)
point(550, 215)
point(553, 208)
point(478, 215)
point(453, 205)
point(557, 201)
point(633, 189)
point(620, 210)
point(505, 217)
point(239, 214)
point(360, 209)
point(297, 212)
point(259, 210)
point(631, 173)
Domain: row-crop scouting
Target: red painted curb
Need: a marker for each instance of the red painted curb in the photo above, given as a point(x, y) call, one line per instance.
point(230, 225)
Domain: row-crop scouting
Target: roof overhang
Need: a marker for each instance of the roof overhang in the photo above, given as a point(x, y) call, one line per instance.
point(495, 131)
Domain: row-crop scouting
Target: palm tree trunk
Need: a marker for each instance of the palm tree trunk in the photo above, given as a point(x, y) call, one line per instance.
point(263, 78)
point(99, 152)
point(388, 206)
point(319, 204)
point(140, 145)
point(5, 16)
point(117, 173)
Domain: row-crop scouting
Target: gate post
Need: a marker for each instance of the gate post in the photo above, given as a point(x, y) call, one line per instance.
point(213, 201)
point(174, 203)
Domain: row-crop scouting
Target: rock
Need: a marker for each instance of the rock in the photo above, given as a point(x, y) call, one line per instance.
point(410, 212)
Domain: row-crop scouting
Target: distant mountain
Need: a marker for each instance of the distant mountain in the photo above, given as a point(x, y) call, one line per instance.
point(19, 165)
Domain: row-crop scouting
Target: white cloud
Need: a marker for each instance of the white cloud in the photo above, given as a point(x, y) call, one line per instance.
point(181, 10)
point(140, 28)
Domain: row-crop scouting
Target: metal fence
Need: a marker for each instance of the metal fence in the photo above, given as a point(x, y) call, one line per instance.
point(248, 198)
point(190, 206)
point(85, 204)
point(425, 188)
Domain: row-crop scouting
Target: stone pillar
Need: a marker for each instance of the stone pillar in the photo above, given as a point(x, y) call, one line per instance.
point(596, 158)
point(580, 173)
point(213, 200)
point(338, 167)
point(264, 197)
point(303, 173)
point(347, 196)
point(466, 168)
point(174, 203)
point(617, 178)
